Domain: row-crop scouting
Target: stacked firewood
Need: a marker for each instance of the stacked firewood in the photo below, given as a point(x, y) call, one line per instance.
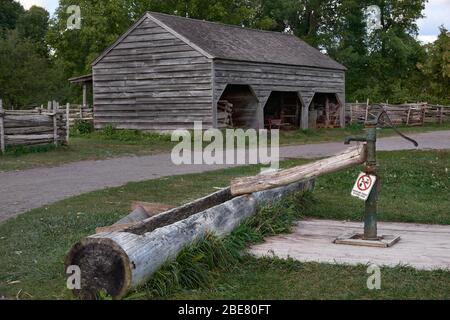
point(225, 114)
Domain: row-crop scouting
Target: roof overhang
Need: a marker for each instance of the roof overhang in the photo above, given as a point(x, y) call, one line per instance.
point(81, 79)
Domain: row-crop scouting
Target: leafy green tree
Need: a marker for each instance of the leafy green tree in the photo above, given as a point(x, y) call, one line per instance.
point(33, 26)
point(436, 69)
point(102, 23)
point(23, 72)
point(10, 11)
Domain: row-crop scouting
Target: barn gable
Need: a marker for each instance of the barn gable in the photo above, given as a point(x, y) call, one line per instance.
point(167, 72)
point(150, 79)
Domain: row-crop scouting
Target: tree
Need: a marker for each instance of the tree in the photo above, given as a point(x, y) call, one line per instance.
point(33, 26)
point(23, 72)
point(10, 12)
point(436, 68)
point(104, 21)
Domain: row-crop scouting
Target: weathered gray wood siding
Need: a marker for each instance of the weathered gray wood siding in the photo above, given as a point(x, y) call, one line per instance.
point(152, 81)
point(265, 78)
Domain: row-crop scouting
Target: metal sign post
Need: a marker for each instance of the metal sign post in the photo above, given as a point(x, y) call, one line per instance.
point(370, 236)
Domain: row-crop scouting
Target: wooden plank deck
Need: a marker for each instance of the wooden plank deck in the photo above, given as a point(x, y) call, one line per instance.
point(424, 247)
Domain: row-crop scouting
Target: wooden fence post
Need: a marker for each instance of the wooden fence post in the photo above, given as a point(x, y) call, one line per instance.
point(55, 123)
point(408, 118)
point(424, 113)
point(2, 129)
point(441, 117)
point(367, 110)
point(67, 122)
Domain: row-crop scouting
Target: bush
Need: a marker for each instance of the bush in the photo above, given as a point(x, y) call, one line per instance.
point(83, 127)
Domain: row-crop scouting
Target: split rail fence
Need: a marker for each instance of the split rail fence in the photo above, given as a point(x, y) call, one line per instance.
point(417, 114)
point(80, 112)
point(33, 127)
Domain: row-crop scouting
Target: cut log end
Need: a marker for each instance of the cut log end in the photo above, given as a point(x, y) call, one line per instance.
point(104, 266)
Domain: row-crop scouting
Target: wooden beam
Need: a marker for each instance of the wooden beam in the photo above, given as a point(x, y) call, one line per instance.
point(84, 95)
point(2, 129)
point(351, 157)
point(67, 123)
point(55, 123)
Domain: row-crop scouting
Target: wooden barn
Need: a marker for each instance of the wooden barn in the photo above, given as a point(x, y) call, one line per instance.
point(166, 72)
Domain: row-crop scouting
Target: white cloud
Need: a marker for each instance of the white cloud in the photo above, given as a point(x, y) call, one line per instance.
point(29, 3)
point(427, 39)
point(436, 14)
point(50, 5)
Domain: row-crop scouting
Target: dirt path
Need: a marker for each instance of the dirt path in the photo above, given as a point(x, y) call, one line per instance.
point(25, 190)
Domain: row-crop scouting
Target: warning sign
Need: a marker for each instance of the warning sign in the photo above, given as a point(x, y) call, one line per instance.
point(363, 186)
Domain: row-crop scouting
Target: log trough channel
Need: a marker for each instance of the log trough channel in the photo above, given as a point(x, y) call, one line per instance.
point(121, 260)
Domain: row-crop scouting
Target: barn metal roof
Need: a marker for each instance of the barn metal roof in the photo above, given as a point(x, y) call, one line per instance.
point(243, 44)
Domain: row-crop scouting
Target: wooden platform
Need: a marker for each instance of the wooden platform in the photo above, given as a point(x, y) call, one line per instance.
point(424, 247)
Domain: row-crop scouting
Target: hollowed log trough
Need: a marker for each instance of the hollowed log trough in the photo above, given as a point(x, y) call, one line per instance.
point(118, 262)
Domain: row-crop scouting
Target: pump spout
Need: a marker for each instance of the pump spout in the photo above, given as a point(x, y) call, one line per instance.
point(355, 138)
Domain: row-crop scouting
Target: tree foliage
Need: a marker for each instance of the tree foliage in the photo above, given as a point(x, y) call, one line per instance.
point(387, 63)
point(23, 71)
point(10, 12)
point(436, 68)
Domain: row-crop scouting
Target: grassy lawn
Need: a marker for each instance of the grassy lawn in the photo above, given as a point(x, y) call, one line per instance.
point(275, 279)
point(99, 146)
point(416, 185)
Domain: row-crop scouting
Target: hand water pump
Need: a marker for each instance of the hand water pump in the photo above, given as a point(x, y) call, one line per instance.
point(370, 236)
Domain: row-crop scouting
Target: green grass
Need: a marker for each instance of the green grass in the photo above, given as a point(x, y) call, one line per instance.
point(415, 188)
point(275, 279)
point(110, 143)
point(33, 246)
point(331, 135)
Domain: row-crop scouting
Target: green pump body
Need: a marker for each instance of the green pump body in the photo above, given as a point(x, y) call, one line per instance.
point(371, 205)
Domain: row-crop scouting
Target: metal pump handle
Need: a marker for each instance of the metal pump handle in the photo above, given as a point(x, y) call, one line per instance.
point(391, 125)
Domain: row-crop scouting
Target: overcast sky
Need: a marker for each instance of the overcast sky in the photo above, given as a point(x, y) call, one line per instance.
point(437, 13)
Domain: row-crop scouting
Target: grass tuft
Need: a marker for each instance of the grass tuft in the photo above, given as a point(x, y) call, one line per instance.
point(24, 150)
point(196, 264)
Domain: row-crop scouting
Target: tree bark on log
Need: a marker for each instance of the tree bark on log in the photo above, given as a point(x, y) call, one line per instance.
point(351, 157)
point(118, 262)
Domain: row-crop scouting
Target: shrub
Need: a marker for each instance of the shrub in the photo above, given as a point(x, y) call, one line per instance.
point(83, 127)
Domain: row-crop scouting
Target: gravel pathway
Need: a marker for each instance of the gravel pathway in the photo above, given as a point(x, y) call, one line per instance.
point(22, 191)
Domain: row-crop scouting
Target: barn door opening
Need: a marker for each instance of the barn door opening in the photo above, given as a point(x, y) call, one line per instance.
point(237, 108)
point(325, 111)
point(282, 111)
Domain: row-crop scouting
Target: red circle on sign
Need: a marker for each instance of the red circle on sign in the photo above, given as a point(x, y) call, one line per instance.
point(364, 183)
